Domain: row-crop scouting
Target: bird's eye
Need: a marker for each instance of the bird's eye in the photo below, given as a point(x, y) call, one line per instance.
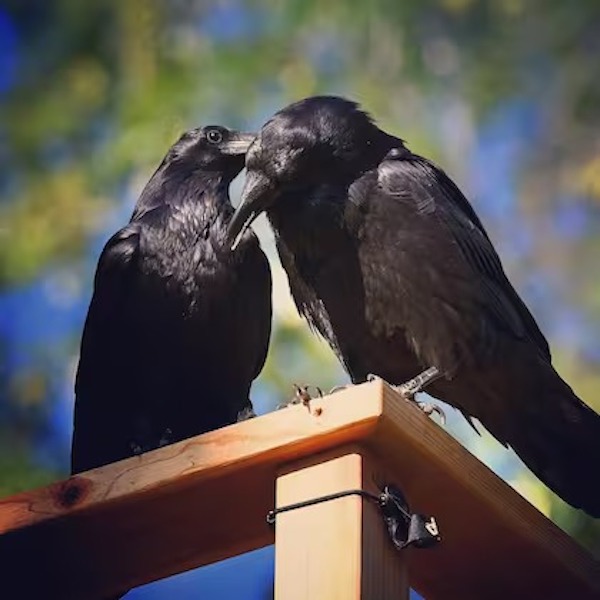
point(214, 136)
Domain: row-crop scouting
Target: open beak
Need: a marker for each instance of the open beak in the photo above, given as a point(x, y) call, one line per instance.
point(237, 143)
point(258, 194)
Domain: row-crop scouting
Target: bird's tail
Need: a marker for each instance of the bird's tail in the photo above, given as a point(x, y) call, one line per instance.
point(553, 432)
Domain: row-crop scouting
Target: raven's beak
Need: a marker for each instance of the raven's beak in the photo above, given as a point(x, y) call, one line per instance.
point(237, 143)
point(258, 194)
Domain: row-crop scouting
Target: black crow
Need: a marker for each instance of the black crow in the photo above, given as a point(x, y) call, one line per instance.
point(178, 327)
point(387, 259)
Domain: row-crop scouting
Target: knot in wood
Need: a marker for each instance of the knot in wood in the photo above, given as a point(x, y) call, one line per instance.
point(71, 492)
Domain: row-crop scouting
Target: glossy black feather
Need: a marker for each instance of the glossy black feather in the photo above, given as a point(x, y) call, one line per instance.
point(387, 259)
point(178, 327)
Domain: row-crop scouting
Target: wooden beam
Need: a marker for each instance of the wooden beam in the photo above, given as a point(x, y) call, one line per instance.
point(495, 544)
point(337, 549)
point(167, 511)
point(206, 498)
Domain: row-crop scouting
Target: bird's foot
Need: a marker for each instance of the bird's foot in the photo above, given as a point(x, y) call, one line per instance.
point(145, 445)
point(302, 395)
point(166, 438)
point(427, 407)
point(246, 413)
point(136, 449)
point(410, 388)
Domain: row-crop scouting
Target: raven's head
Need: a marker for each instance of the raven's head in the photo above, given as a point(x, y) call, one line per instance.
point(316, 140)
point(210, 148)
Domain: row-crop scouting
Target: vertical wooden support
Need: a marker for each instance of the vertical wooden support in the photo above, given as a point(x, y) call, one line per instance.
point(335, 550)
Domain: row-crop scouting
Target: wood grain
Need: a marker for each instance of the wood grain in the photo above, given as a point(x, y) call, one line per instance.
point(169, 510)
point(495, 544)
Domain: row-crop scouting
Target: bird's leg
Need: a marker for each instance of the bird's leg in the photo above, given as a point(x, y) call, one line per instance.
point(302, 396)
point(417, 384)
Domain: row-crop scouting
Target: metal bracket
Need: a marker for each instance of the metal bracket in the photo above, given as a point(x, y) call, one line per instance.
point(404, 528)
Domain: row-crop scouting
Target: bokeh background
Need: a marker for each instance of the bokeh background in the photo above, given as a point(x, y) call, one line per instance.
point(504, 94)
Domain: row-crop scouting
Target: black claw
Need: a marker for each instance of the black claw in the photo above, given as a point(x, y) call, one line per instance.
point(338, 388)
point(318, 390)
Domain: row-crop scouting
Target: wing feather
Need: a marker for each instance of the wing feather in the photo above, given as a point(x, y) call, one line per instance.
point(430, 268)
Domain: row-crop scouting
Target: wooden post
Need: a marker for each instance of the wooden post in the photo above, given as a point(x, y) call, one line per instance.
point(337, 549)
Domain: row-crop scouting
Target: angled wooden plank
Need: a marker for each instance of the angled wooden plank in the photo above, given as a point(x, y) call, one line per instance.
point(169, 510)
point(495, 544)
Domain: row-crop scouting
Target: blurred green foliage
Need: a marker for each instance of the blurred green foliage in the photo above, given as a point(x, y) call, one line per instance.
point(102, 87)
point(18, 472)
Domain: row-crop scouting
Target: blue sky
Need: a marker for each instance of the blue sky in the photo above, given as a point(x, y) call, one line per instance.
point(245, 577)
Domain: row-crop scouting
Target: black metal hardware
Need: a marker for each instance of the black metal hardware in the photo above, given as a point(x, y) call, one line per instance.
point(404, 528)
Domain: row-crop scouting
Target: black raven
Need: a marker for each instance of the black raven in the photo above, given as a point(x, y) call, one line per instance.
point(387, 259)
point(178, 327)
